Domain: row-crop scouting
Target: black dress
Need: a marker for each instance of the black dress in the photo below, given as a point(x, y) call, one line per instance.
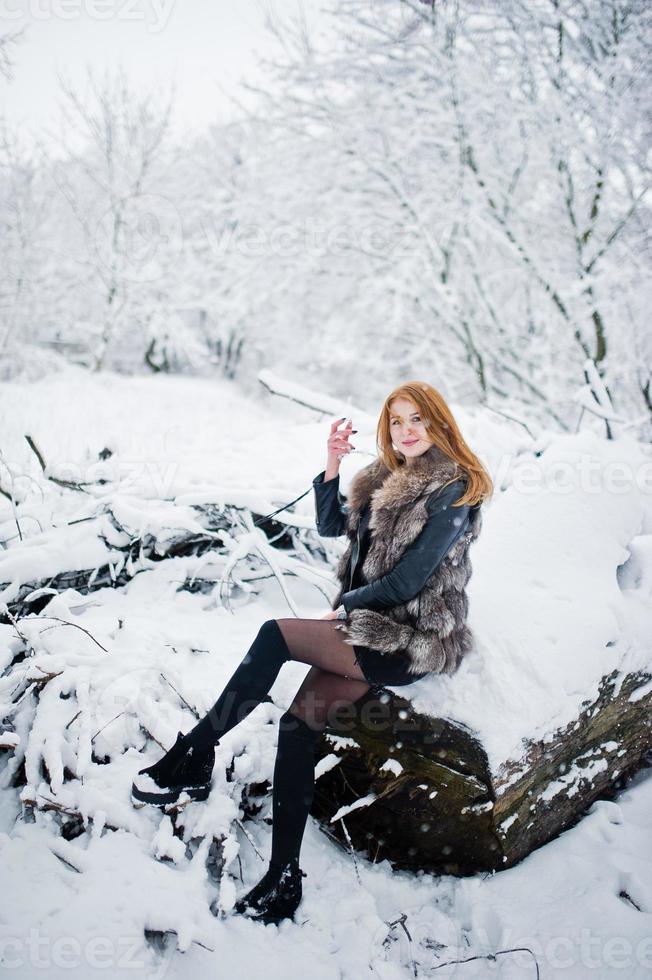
point(378, 667)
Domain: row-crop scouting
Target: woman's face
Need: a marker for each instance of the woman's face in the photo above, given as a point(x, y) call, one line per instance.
point(408, 432)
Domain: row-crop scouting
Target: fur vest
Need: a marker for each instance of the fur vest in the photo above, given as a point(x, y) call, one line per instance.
point(431, 627)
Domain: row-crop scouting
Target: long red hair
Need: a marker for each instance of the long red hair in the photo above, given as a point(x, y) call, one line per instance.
point(444, 432)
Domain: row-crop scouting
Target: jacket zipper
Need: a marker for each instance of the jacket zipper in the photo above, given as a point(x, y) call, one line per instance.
point(357, 538)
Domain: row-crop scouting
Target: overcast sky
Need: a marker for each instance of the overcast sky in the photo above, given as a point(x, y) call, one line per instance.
point(208, 45)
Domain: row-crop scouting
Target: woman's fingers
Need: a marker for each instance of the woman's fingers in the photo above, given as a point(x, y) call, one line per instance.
point(340, 447)
point(339, 440)
point(339, 436)
point(338, 443)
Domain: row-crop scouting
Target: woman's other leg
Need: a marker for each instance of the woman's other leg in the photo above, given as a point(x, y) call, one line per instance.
point(312, 709)
point(311, 641)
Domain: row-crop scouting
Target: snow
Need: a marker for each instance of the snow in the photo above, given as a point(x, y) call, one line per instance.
point(640, 692)
point(391, 765)
point(326, 763)
point(507, 823)
point(562, 901)
point(344, 810)
point(560, 595)
point(568, 782)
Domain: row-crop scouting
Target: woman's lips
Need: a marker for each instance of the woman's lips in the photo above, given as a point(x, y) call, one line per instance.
point(411, 442)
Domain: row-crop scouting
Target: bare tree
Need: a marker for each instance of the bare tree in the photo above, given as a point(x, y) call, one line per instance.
point(7, 42)
point(504, 147)
point(113, 140)
point(24, 205)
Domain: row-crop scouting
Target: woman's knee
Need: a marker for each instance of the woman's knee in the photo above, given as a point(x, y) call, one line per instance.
point(323, 696)
point(269, 627)
point(271, 637)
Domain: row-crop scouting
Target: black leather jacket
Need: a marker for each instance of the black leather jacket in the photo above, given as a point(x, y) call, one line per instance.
point(415, 566)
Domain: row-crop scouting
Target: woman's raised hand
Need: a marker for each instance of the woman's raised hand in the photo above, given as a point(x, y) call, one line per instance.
point(338, 445)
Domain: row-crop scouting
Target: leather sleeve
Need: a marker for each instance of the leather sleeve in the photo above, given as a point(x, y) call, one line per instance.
point(331, 508)
point(421, 559)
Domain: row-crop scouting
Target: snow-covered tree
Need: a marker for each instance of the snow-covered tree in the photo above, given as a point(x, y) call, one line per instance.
point(125, 231)
point(484, 174)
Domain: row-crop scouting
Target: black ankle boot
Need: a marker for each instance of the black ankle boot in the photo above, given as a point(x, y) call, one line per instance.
point(183, 769)
point(275, 897)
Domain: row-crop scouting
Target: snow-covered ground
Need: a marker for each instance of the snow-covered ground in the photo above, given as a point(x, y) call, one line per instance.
point(563, 902)
point(551, 612)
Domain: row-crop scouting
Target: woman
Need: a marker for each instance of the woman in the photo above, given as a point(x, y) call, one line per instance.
point(400, 614)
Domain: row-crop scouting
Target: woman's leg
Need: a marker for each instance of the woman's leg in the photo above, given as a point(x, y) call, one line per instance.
point(188, 764)
point(320, 643)
point(279, 892)
point(294, 770)
point(310, 641)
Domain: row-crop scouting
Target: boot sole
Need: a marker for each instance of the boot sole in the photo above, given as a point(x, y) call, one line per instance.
point(250, 912)
point(197, 793)
point(269, 919)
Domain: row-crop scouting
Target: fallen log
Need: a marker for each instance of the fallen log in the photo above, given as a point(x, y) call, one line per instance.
point(126, 554)
point(419, 792)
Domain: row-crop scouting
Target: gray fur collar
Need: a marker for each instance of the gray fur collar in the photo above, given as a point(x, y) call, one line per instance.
point(395, 488)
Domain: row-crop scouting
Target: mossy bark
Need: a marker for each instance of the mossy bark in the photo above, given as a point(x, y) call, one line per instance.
point(444, 810)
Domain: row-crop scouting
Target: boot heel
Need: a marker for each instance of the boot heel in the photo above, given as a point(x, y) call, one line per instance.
point(276, 896)
point(198, 793)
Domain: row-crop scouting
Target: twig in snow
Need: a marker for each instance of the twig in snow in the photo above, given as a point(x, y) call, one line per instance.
point(512, 418)
point(204, 946)
point(331, 836)
point(76, 625)
point(14, 622)
point(149, 735)
point(492, 956)
point(69, 484)
point(65, 862)
point(240, 825)
point(180, 696)
point(401, 922)
point(48, 675)
point(104, 726)
point(74, 718)
point(10, 498)
point(348, 840)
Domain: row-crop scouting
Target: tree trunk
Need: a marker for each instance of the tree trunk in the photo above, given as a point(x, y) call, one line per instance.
point(437, 806)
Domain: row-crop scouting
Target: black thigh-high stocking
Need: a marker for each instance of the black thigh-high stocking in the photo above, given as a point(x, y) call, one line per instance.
point(252, 680)
point(311, 641)
point(321, 691)
point(335, 678)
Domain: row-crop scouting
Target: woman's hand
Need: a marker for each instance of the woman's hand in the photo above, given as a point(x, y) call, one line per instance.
point(333, 614)
point(337, 446)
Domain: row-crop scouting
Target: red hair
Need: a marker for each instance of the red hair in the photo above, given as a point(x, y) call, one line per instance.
point(443, 430)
